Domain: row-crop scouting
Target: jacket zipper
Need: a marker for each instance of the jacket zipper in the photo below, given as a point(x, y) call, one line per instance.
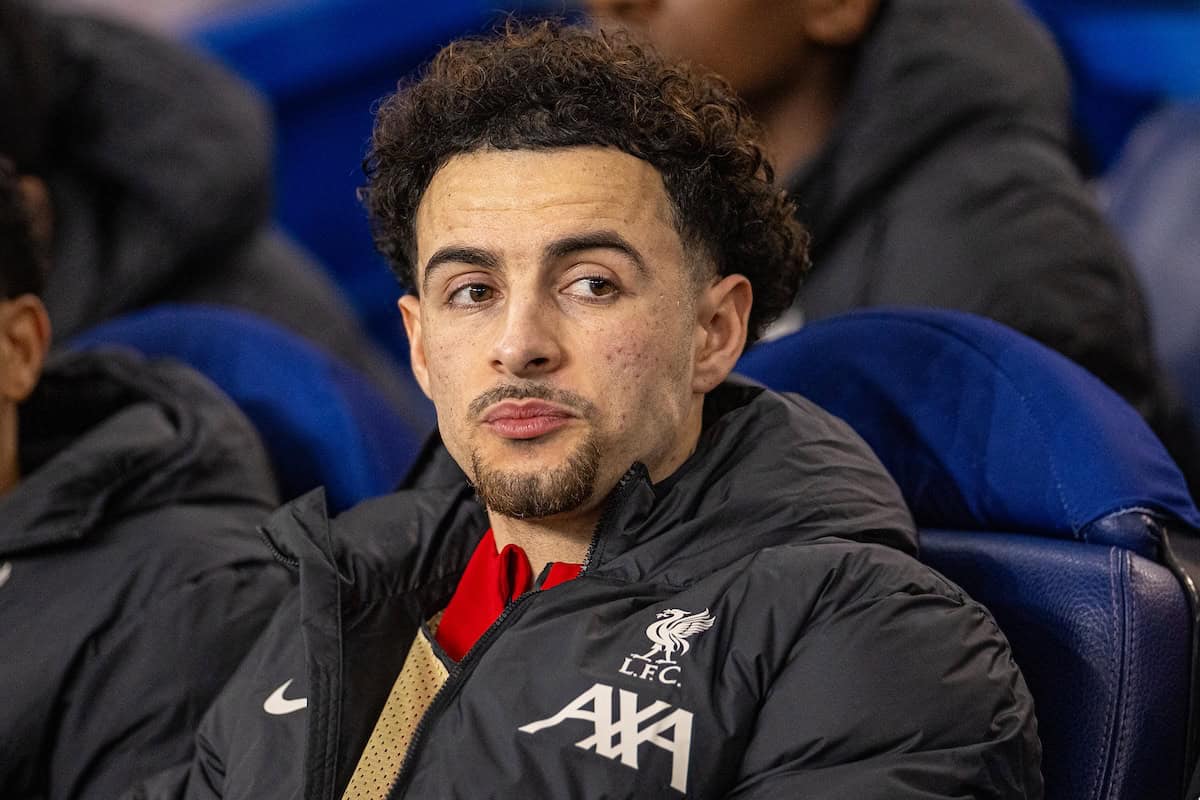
point(461, 669)
point(609, 514)
point(442, 698)
point(286, 560)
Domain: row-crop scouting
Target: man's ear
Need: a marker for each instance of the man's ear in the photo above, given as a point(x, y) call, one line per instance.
point(722, 315)
point(838, 23)
point(24, 342)
point(410, 311)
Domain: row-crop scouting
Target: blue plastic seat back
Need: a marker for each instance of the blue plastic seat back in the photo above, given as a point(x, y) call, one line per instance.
point(321, 421)
point(982, 427)
point(1046, 497)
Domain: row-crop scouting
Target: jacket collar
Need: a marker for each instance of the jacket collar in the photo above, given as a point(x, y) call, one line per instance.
point(769, 470)
point(64, 499)
point(107, 434)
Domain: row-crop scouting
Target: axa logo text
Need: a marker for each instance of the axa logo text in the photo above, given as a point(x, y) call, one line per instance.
point(619, 737)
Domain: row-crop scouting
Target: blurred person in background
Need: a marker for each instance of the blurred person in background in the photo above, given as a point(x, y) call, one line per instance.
point(154, 168)
point(926, 145)
point(131, 580)
point(167, 16)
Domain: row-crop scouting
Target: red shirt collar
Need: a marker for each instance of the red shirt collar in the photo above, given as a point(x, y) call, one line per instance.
point(491, 581)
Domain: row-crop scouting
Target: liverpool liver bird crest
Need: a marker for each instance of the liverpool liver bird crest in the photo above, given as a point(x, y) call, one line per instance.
point(671, 631)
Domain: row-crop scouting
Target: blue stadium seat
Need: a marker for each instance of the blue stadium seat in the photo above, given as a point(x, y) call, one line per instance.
point(322, 422)
point(1152, 196)
point(1046, 497)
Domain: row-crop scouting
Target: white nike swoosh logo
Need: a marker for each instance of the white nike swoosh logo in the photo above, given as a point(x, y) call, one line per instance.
point(278, 705)
point(5, 572)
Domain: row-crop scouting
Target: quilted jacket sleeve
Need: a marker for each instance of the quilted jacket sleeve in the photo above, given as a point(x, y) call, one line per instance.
point(157, 674)
point(903, 696)
point(240, 750)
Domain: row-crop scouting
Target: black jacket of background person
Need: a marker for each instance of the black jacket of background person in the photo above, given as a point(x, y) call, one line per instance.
point(948, 183)
point(131, 578)
point(159, 163)
point(836, 665)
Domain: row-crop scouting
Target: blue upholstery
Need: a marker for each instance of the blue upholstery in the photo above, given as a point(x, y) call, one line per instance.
point(1046, 497)
point(982, 427)
point(1100, 634)
point(322, 422)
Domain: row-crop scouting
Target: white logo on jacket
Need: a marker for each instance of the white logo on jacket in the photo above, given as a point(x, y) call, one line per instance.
point(619, 737)
point(669, 635)
point(279, 705)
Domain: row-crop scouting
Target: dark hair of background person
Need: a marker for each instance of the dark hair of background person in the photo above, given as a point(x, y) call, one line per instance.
point(550, 85)
point(21, 260)
point(26, 86)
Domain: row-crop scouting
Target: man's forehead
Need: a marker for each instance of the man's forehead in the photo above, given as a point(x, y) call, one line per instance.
point(569, 184)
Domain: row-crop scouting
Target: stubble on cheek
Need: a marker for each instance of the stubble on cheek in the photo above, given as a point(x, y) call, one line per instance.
point(449, 394)
point(647, 375)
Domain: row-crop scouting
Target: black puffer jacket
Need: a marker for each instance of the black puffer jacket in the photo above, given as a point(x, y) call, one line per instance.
point(824, 660)
point(948, 183)
point(159, 164)
point(131, 581)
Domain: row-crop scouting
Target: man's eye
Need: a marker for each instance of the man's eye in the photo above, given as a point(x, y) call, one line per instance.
point(592, 288)
point(472, 294)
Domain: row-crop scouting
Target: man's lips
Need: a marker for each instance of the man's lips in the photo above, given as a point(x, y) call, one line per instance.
point(526, 419)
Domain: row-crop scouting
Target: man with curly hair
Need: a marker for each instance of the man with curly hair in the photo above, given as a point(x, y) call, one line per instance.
point(616, 572)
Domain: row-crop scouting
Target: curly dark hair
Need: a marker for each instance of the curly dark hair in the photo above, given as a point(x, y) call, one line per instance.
point(552, 85)
point(22, 264)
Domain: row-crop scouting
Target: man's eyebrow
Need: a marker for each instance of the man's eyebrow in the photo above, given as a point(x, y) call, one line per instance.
point(595, 240)
point(458, 254)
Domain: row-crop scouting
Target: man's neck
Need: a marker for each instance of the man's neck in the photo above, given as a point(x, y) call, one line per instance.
point(798, 118)
point(10, 470)
point(547, 540)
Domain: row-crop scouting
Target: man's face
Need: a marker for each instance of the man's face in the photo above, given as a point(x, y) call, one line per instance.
point(556, 325)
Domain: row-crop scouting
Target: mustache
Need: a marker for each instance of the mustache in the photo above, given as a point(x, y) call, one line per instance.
point(530, 391)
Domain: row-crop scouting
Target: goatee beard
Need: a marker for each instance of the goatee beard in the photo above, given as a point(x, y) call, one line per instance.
point(522, 495)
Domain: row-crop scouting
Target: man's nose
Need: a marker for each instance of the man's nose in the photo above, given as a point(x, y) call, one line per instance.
point(528, 343)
